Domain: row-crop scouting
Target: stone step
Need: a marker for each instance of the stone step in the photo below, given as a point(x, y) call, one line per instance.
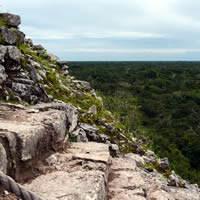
point(129, 181)
point(79, 174)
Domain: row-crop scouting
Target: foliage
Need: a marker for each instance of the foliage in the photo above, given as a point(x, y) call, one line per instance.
point(158, 101)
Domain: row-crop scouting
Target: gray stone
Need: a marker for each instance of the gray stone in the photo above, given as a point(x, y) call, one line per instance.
point(3, 51)
point(93, 110)
point(14, 54)
point(3, 159)
point(38, 47)
point(114, 150)
point(70, 111)
point(3, 75)
point(8, 36)
point(20, 36)
point(35, 132)
point(29, 42)
point(80, 174)
point(164, 163)
point(51, 160)
point(11, 19)
point(62, 63)
point(52, 57)
point(79, 135)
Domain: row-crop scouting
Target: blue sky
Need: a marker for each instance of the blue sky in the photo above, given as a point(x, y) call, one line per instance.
point(81, 30)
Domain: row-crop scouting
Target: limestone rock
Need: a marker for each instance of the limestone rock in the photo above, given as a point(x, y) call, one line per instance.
point(81, 174)
point(3, 75)
point(11, 20)
point(93, 110)
point(3, 51)
point(20, 36)
point(8, 36)
point(29, 133)
point(3, 159)
point(38, 47)
point(79, 135)
point(14, 54)
point(52, 57)
point(164, 163)
point(70, 111)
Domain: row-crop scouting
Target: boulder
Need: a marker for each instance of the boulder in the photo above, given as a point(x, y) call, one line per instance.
point(20, 36)
point(62, 63)
point(3, 51)
point(14, 54)
point(8, 36)
point(52, 57)
point(70, 111)
point(79, 135)
point(164, 163)
point(3, 75)
point(38, 47)
point(93, 110)
point(3, 159)
point(11, 20)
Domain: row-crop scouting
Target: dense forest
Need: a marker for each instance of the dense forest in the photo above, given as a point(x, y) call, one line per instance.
point(157, 101)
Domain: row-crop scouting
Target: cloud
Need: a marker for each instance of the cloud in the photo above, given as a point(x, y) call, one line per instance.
point(135, 51)
point(142, 27)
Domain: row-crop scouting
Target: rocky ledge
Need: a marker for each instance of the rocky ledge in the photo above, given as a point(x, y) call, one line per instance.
point(55, 133)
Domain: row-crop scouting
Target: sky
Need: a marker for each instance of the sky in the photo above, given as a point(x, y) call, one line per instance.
point(112, 30)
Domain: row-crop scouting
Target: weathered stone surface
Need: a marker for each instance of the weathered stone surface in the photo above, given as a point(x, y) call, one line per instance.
point(3, 50)
point(38, 47)
point(31, 133)
point(81, 174)
point(79, 135)
point(3, 75)
point(128, 181)
point(3, 159)
point(14, 54)
point(82, 85)
point(70, 111)
point(8, 36)
point(20, 36)
point(164, 163)
point(52, 57)
point(11, 19)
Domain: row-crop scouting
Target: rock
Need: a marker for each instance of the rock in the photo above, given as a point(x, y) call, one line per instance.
point(51, 160)
point(114, 149)
point(3, 159)
point(14, 54)
point(33, 73)
point(79, 135)
point(149, 153)
point(70, 111)
point(62, 63)
point(135, 157)
point(52, 57)
point(93, 110)
point(29, 42)
point(81, 174)
point(31, 134)
point(3, 75)
point(164, 163)
point(8, 36)
point(82, 85)
point(20, 36)
point(91, 132)
point(29, 93)
point(38, 47)
point(11, 20)
point(3, 51)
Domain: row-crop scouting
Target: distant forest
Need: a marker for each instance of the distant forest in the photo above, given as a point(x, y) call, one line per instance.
point(157, 101)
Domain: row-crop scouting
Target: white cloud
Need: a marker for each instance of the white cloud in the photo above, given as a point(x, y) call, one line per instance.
point(135, 51)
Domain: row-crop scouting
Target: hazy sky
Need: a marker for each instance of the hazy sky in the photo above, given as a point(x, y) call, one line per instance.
point(112, 29)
